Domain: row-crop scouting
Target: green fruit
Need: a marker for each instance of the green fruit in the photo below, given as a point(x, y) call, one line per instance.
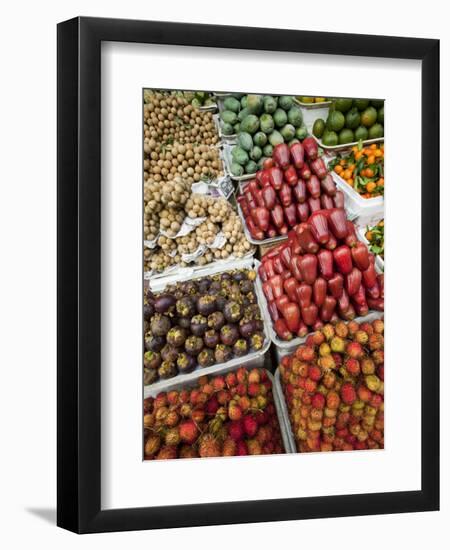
point(266, 123)
point(288, 132)
point(343, 104)
point(318, 127)
point(242, 114)
point(306, 99)
point(361, 133)
point(295, 140)
point(346, 136)
point(376, 131)
point(256, 153)
point(245, 141)
point(330, 138)
point(268, 150)
point(285, 102)
point(229, 117)
point(227, 129)
point(302, 132)
point(196, 103)
point(361, 104)
point(239, 155)
point(244, 101)
point(236, 169)
point(377, 103)
point(275, 138)
point(368, 117)
point(260, 138)
point(380, 115)
point(335, 121)
point(280, 118)
point(250, 124)
point(232, 104)
point(237, 127)
point(352, 119)
point(251, 167)
point(270, 104)
point(295, 116)
point(254, 103)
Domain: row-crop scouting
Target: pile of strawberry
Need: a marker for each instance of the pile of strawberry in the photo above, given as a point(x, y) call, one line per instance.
point(320, 274)
point(229, 415)
point(292, 185)
point(334, 388)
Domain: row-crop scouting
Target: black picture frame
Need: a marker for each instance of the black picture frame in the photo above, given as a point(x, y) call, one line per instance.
point(79, 275)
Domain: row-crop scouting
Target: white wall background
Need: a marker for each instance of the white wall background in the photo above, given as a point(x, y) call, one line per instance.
point(28, 276)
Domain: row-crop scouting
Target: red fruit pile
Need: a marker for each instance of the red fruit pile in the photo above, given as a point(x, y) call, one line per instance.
point(320, 274)
point(293, 184)
point(229, 415)
point(334, 388)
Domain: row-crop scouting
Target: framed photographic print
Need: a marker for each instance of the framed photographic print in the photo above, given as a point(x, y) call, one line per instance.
point(226, 298)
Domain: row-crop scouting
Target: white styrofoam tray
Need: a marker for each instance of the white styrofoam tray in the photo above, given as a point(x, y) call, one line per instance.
point(256, 357)
point(345, 146)
point(283, 406)
point(177, 383)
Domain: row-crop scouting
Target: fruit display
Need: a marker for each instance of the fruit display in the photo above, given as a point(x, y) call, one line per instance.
point(200, 323)
point(230, 414)
point(351, 120)
point(375, 236)
point(362, 169)
point(182, 227)
point(308, 100)
point(320, 274)
point(261, 123)
point(334, 388)
point(292, 185)
point(200, 99)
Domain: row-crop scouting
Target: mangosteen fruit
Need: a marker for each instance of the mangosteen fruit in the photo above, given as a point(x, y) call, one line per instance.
point(229, 334)
point(240, 347)
point(148, 311)
point(216, 320)
point(206, 304)
point(233, 311)
point(165, 303)
point(160, 325)
point(246, 286)
point(153, 343)
point(199, 325)
point(185, 307)
point(215, 287)
point(206, 358)
point(150, 296)
point(252, 311)
point(247, 328)
point(167, 370)
point(211, 338)
point(225, 276)
point(193, 345)
point(239, 276)
point(176, 336)
point(220, 302)
point(256, 341)
point(222, 353)
point(184, 322)
point(203, 285)
point(185, 363)
point(169, 353)
point(152, 360)
point(150, 376)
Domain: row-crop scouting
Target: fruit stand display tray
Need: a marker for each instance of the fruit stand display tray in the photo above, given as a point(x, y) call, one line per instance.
point(284, 347)
point(254, 359)
point(280, 406)
point(361, 232)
